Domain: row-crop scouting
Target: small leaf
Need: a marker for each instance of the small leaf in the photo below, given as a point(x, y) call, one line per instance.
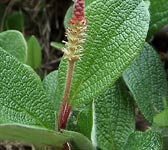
point(147, 82)
point(42, 136)
point(57, 45)
point(159, 15)
point(110, 47)
point(81, 121)
point(22, 97)
point(14, 43)
point(161, 119)
point(114, 117)
point(143, 141)
point(15, 21)
point(68, 16)
point(34, 53)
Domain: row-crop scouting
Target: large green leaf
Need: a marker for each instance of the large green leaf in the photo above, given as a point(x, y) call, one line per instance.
point(146, 80)
point(34, 53)
point(159, 15)
point(114, 117)
point(14, 43)
point(22, 97)
point(43, 137)
point(143, 141)
point(116, 33)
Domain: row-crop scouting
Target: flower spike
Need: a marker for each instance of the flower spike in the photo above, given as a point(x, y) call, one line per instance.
point(75, 32)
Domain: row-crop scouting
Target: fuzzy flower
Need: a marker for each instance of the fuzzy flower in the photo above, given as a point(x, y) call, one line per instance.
point(75, 32)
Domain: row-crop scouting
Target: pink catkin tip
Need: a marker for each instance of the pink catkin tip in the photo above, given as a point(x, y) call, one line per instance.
point(78, 12)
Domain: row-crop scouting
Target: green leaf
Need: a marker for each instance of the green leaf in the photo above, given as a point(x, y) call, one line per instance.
point(31, 135)
point(42, 136)
point(114, 117)
point(109, 48)
point(164, 134)
point(49, 84)
point(147, 82)
point(81, 121)
point(87, 2)
point(143, 141)
point(34, 53)
point(22, 97)
point(14, 43)
point(68, 16)
point(161, 119)
point(57, 45)
point(15, 21)
point(159, 15)
point(79, 141)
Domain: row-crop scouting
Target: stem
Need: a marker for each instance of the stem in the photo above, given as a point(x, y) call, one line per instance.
point(65, 107)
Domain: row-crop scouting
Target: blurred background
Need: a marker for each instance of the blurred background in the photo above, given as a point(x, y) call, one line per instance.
point(41, 22)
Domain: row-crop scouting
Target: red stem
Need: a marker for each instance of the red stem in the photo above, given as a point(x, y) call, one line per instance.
point(65, 107)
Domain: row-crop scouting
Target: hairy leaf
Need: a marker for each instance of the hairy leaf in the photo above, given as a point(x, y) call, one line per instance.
point(49, 84)
point(22, 97)
point(14, 43)
point(143, 141)
point(116, 33)
point(34, 53)
point(114, 117)
point(146, 80)
point(159, 15)
point(164, 135)
point(43, 137)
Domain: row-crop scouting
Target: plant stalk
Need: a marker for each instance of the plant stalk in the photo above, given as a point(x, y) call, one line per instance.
point(65, 107)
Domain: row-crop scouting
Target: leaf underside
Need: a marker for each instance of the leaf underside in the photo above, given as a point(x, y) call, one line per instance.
point(43, 136)
point(143, 141)
point(147, 82)
point(114, 117)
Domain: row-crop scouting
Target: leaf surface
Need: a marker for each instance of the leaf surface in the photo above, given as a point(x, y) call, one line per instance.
point(49, 84)
point(57, 45)
point(116, 33)
point(159, 15)
point(143, 141)
point(22, 97)
point(147, 82)
point(114, 117)
point(42, 136)
point(161, 119)
point(34, 53)
point(14, 43)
